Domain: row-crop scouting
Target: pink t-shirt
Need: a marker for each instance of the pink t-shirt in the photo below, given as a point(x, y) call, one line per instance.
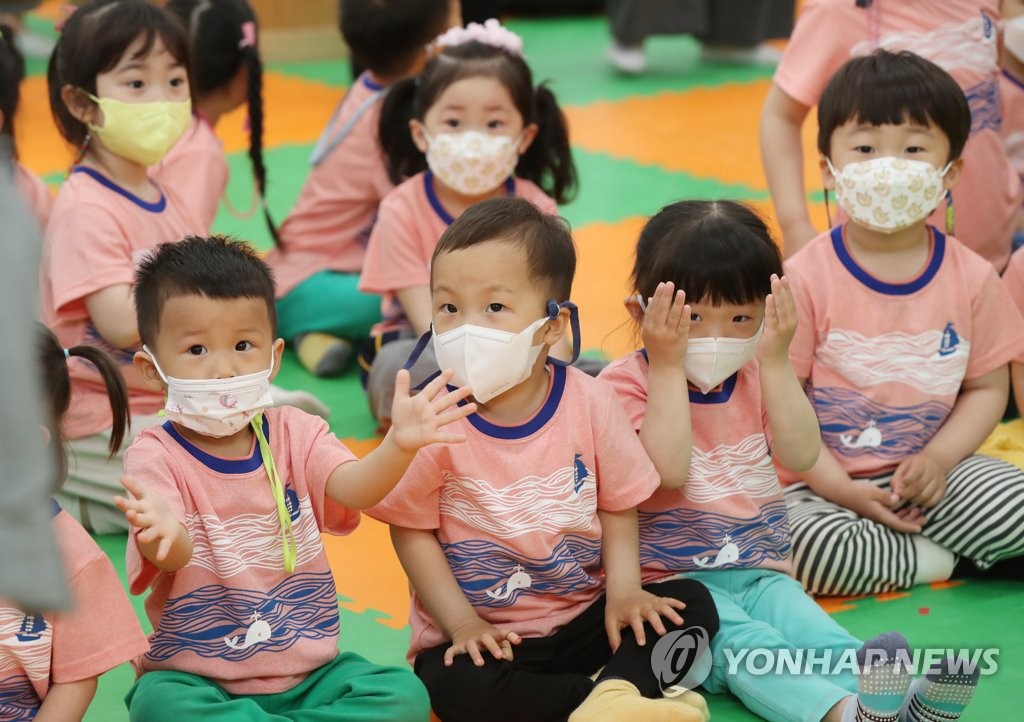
point(884, 362)
point(730, 514)
point(515, 508)
point(232, 614)
point(1013, 278)
point(409, 225)
point(97, 232)
point(35, 193)
point(98, 634)
point(958, 36)
point(197, 170)
point(329, 227)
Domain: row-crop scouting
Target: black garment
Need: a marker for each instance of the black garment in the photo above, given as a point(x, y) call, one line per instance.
point(549, 677)
point(744, 23)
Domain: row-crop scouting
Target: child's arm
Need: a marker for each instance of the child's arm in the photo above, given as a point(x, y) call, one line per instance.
point(162, 539)
point(430, 575)
point(627, 602)
point(1017, 378)
point(416, 305)
point(665, 431)
point(67, 702)
point(796, 438)
point(921, 478)
point(783, 158)
point(416, 421)
point(112, 312)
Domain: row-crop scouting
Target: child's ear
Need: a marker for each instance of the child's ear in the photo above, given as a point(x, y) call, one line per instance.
point(278, 350)
point(556, 328)
point(827, 179)
point(81, 107)
point(632, 304)
point(147, 370)
point(952, 176)
point(419, 136)
point(529, 135)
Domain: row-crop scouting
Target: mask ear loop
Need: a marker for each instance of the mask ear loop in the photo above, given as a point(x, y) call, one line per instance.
point(417, 351)
point(289, 549)
point(950, 216)
point(574, 326)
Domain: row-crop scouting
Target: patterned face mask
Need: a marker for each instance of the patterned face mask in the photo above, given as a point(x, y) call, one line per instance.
point(471, 162)
point(888, 194)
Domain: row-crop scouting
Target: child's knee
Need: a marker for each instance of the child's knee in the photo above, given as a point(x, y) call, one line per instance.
point(166, 696)
point(406, 695)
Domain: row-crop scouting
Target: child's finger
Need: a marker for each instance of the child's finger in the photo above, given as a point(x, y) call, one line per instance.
point(636, 622)
point(447, 399)
point(444, 437)
point(675, 311)
point(133, 486)
point(611, 628)
point(402, 384)
point(163, 549)
point(668, 610)
point(449, 654)
point(474, 653)
point(513, 637)
point(506, 649)
point(459, 412)
point(654, 619)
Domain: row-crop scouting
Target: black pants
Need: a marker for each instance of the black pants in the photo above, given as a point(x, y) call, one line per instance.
point(549, 677)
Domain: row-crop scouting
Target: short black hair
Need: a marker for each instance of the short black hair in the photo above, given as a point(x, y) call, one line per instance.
point(716, 251)
point(94, 40)
point(887, 88)
point(214, 266)
point(386, 36)
point(12, 72)
point(547, 240)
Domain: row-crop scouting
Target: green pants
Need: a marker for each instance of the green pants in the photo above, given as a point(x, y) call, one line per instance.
point(348, 688)
point(328, 302)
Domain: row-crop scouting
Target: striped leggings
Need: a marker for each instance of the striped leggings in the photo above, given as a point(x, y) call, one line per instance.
point(836, 551)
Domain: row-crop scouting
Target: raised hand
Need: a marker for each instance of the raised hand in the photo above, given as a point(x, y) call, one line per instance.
point(666, 327)
point(419, 420)
point(147, 511)
point(779, 322)
point(633, 609)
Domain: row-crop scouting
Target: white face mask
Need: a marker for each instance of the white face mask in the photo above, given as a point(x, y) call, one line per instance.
point(488, 360)
point(471, 162)
point(1013, 36)
point(216, 407)
point(888, 194)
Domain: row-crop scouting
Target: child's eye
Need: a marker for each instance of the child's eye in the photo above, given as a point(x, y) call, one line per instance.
point(740, 319)
point(136, 84)
point(495, 307)
point(177, 82)
point(243, 346)
point(448, 308)
point(694, 317)
point(451, 123)
point(915, 149)
point(495, 124)
point(197, 350)
point(864, 149)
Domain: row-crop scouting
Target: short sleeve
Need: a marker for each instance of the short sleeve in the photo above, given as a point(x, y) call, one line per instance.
point(88, 249)
point(626, 475)
point(394, 259)
point(415, 502)
point(1013, 279)
point(821, 42)
point(801, 349)
point(149, 463)
point(530, 191)
point(101, 632)
point(632, 394)
point(327, 453)
point(997, 335)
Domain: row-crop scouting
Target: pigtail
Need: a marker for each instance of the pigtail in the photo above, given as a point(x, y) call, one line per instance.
point(548, 161)
point(12, 72)
point(403, 158)
point(254, 102)
point(117, 392)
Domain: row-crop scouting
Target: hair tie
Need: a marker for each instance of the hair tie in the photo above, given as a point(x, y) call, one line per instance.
point(490, 33)
point(248, 35)
point(67, 353)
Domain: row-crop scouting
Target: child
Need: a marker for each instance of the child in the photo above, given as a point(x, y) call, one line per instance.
point(120, 92)
point(12, 72)
point(49, 664)
point(323, 241)
point(1011, 93)
point(479, 129)
point(960, 37)
point(724, 359)
point(903, 344)
point(1013, 278)
point(226, 72)
point(228, 502)
point(504, 538)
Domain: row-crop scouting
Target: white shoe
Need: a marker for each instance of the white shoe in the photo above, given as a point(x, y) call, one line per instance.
point(629, 59)
point(34, 46)
point(763, 54)
point(300, 400)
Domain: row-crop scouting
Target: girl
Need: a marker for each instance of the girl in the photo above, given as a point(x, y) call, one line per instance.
point(472, 126)
point(227, 71)
point(725, 356)
point(51, 663)
point(118, 82)
point(12, 72)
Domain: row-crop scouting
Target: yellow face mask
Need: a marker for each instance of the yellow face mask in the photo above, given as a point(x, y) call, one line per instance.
point(141, 132)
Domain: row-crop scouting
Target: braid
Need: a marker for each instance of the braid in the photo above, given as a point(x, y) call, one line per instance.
point(254, 102)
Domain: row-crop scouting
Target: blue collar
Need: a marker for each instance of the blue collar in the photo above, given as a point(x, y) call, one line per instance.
point(712, 397)
point(1012, 79)
point(54, 507)
point(891, 289)
point(435, 202)
point(370, 83)
point(216, 463)
point(155, 207)
point(532, 426)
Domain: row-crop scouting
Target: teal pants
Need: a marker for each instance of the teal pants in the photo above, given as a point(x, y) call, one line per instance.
point(348, 688)
point(328, 302)
point(761, 609)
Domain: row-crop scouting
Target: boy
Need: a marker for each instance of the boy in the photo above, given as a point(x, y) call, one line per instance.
point(323, 240)
point(228, 502)
point(505, 539)
point(960, 36)
point(903, 343)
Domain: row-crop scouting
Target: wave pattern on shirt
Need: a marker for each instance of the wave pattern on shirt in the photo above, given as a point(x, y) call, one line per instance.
point(726, 470)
